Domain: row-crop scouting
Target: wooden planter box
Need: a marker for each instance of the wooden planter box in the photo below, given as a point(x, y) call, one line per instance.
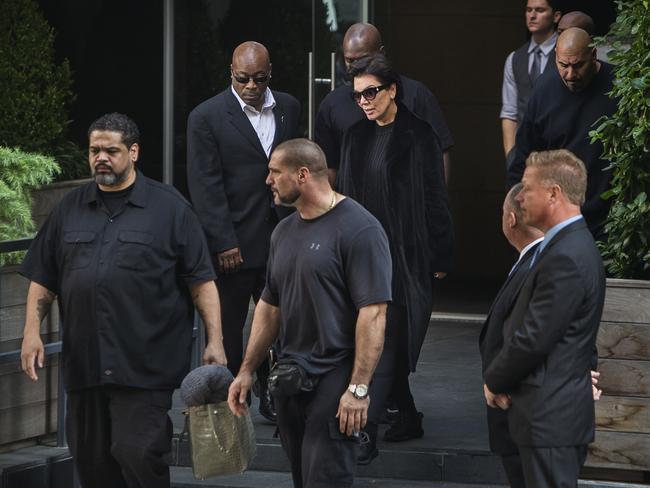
point(47, 196)
point(27, 408)
point(623, 412)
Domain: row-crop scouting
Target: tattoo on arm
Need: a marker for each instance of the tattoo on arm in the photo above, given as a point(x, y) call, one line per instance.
point(43, 306)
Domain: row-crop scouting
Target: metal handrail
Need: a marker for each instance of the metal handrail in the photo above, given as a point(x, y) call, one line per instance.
point(15, 245)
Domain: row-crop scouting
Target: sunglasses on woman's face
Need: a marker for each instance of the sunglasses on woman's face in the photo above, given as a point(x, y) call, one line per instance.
point(258, 80)
point(369, 93)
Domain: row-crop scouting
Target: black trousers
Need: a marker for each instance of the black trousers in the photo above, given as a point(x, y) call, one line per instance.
point(235, 292)
point(514, 470)
point(401, 390)
point(320, 455)
point(119, 436)
point(552, 467)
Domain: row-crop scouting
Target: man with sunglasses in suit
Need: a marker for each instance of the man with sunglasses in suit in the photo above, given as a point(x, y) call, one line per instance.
point(229, 139)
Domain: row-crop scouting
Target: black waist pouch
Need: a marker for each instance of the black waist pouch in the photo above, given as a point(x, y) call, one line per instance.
point(288, 378)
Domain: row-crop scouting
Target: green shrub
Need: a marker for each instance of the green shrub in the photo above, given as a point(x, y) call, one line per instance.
point(20, 172)
point(34, 90)
point(626, 141)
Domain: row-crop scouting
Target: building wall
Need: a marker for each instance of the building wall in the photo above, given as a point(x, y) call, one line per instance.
point(458, 49)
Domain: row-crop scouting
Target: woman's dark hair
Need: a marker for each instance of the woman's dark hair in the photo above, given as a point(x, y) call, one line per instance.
point(378, 66)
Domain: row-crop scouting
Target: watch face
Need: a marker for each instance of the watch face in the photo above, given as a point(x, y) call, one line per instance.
point(362, 390)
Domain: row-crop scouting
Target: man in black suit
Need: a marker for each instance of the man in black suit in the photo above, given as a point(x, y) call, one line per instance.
point(229, 138)
point(543, 369)
point(525, 240)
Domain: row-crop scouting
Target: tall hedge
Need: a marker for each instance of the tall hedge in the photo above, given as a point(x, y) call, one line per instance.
point(34, 89)
point(626, 141)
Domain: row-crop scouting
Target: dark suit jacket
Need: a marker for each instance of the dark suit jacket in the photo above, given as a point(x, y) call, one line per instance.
point(549, 339)
point(491, 342)
point(226, 173)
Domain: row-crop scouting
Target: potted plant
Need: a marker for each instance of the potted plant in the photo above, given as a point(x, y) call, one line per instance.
point(623, 437)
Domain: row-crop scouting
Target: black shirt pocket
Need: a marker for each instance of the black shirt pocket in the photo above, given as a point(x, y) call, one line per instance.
point(78, 248)
point(134, 250)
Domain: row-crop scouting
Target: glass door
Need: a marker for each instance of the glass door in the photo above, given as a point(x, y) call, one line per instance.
point(301, 36)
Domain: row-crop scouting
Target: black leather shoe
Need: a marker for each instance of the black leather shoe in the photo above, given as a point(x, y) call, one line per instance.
point(408, 426)
point(367, 449)
point(266, 408)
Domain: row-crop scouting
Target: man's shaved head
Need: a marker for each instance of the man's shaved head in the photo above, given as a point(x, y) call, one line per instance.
point(577, 19)
point(573, 40)
point(251, 72)
point(575, 60)
point(361, 40)
point(251, 51)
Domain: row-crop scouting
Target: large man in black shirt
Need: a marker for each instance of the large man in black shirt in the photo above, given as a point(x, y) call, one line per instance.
point(327, 284)
point(126, 257)
point(563, 108)
point(338, 111)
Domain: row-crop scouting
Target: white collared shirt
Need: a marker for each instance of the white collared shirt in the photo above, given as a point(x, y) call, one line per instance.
point(263, 121)
point(524, 251)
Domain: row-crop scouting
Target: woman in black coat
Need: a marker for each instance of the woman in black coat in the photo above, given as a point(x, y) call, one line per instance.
point(391, 163)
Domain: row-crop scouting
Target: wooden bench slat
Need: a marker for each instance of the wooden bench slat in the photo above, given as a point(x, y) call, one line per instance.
point(620, 377)
point(624, 341)
point(623, 414)
point(620, 451)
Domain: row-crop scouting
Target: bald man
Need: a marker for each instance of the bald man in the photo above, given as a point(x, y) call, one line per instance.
point(229, 139)
point(562, 110)
point(338, 111)
point(525, 240)
point(576, 19)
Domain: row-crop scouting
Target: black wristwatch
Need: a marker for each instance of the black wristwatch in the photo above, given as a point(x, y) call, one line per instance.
point(360, 391)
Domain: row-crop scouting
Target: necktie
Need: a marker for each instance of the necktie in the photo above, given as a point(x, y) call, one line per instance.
point(536, 68)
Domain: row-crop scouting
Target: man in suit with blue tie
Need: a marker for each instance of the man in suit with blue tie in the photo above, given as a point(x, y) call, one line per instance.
point(229, 139)
point(525, 240)
point(542, 372)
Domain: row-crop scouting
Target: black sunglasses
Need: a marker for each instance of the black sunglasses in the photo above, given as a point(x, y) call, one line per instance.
point(369, 93)
point(258, 80)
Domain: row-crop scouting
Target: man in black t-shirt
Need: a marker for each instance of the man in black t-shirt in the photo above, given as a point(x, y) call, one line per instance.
point(328, 281)
point(127, 260)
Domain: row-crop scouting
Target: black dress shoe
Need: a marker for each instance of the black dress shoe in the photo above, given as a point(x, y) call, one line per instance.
point(367, 449)
point(408, 426)
point(266, 408)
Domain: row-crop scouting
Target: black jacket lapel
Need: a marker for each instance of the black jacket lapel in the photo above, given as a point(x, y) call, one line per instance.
point(242, 124)
point(280, 123)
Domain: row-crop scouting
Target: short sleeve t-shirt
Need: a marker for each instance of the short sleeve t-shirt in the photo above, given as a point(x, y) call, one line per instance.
point(320, 273)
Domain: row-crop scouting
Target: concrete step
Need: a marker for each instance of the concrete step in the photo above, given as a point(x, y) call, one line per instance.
point(398, 461)
point(182, 478)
